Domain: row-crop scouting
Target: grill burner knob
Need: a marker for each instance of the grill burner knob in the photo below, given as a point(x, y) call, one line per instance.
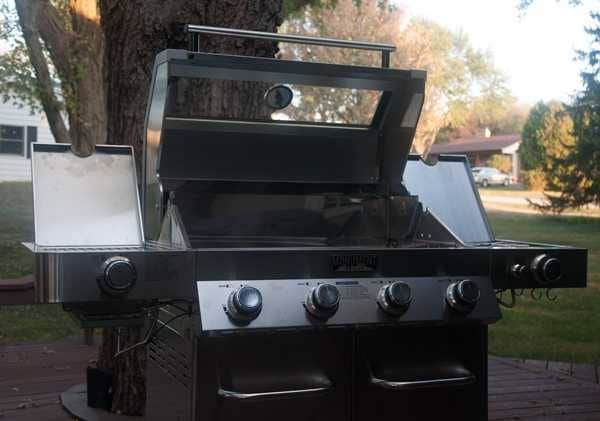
point(395, 298)
point(118, 276)
point(323, 301)
point(546, 269)
point(244, 304)
point(463, 296)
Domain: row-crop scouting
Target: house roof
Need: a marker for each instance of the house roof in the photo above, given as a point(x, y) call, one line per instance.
point(476, 144)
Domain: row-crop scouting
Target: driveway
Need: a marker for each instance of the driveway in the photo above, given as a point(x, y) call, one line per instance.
point(518, 201)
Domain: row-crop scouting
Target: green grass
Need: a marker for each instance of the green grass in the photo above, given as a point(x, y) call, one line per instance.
point(16, 225)
point(35, 323)
point(24, 323)
point(567, 329)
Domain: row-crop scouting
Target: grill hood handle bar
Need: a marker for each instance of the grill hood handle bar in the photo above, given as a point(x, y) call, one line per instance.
point(195, 30)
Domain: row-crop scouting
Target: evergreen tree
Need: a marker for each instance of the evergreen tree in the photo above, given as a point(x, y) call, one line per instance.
point(579, 179)
point(547, 137)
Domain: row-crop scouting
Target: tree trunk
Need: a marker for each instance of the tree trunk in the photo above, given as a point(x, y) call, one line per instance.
point(76, 51)
point(29, 13)
point(135, 31)
point(87, 116)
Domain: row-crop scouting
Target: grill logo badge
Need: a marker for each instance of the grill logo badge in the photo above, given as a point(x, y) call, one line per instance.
point(354, 263)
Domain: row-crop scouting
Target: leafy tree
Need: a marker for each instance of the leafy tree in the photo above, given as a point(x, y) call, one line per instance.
point(506, 117)
point(456, 71)
point(547, 133)
point(89, 61)
point(577, 174)
point(546, 141)
point(501, 162)
point(512, 121)
point(54, 60)
point(532, 151)
point(524, 4)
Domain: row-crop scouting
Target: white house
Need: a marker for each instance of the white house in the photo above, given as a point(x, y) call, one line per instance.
point(18, 128)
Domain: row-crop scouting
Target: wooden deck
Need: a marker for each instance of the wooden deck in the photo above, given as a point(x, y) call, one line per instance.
point(528, 392)
point(32, 376)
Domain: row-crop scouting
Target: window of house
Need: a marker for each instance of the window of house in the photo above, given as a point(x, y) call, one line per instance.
point(12, 140)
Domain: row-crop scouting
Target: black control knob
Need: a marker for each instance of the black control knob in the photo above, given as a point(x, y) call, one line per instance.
point(118, 276)
point(463, 296)
point(244, 304)
point(546, 269)
point(323, 301)
point(395, 298)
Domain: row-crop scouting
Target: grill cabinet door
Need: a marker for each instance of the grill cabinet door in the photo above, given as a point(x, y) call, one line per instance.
point(273, 377)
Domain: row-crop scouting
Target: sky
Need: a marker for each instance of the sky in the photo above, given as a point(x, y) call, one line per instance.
point(535, 49)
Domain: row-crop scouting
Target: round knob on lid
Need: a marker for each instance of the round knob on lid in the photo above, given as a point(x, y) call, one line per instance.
point(395, 297)
point(118, 276)
point(463, 296)
point(245, 303)
point(323, 301)
point(546, 269)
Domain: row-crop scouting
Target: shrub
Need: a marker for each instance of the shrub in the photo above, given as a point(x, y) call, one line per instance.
point(534, 179)
point(501, 162)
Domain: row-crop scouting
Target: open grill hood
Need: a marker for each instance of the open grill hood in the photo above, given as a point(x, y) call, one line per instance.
point(214, 149)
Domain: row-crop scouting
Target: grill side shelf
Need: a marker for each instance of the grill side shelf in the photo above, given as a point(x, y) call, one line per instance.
point(518, 266)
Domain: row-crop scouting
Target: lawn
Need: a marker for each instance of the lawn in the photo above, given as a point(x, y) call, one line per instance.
point(16, 225)
point(24, 323)
point(567, 329)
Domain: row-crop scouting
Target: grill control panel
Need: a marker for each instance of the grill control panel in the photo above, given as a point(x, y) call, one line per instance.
point(300, 303)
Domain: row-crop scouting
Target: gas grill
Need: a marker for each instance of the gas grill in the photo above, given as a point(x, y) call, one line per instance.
point(302, 267)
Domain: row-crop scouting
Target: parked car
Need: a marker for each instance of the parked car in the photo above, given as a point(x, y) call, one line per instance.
point(488, 176)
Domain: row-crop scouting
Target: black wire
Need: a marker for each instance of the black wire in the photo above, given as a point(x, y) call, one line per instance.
point(172, 319)
point(144, 341)
point(151, 331)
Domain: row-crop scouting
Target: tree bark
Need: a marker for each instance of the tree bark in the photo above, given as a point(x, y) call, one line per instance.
point(76, 51)
point(87, 116)
point(28, 12)
point(135, 31)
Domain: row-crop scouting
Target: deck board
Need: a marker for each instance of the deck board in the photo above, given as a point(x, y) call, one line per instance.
point(529, 392)
point(33, 375)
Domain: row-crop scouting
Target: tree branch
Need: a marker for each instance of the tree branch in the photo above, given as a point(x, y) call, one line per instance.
point(57, 39)
point(28, 11)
